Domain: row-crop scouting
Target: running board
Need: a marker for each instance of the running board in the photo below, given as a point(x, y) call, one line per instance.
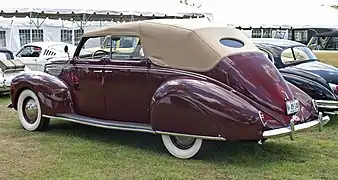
point(103, 123)
point(125, 126)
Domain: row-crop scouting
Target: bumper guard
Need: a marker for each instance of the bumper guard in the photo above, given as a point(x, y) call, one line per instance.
point(290, 131)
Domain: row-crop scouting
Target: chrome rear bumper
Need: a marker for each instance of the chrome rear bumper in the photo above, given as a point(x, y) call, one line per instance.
point(290, 131)
point(327, 104)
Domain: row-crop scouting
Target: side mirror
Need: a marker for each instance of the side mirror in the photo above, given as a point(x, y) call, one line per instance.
point(66, 49)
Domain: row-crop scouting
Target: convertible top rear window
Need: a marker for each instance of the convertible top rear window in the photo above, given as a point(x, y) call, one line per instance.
point(234, 43)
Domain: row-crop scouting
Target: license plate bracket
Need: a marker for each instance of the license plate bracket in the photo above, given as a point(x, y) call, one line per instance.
point(292, 106)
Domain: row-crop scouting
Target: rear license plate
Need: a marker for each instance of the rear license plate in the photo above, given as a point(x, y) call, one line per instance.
point(292, 106)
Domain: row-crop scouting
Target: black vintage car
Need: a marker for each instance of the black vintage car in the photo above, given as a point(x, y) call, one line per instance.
point(6, 53)
point(300, 66)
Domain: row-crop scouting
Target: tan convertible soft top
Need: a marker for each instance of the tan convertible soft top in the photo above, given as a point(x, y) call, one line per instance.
point(180, 43)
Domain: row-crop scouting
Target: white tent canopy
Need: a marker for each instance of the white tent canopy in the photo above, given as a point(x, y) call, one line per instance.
point(98, 9)
point(267, 13)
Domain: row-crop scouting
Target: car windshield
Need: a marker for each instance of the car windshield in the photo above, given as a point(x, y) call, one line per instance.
point(126, 47)
point(123, 42)
point(297, 54)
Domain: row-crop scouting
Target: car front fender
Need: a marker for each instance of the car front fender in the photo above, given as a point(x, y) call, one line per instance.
point(53, 93)
point(195, 107)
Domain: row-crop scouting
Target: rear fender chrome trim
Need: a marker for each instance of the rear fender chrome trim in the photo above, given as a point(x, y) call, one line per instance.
point(135, 129)
point(195, 136)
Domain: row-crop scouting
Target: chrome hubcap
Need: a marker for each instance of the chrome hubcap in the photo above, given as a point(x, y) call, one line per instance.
point(30, 110)
point(183, 142)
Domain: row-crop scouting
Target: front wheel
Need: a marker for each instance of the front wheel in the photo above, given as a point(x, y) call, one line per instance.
point(30, 114)
point(182, 147)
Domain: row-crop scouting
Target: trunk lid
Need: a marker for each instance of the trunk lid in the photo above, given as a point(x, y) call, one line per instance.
point(255, 76)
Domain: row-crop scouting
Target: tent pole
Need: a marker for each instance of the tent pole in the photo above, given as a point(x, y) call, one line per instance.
point(73, 33)
point(30, 27)
point(11, 35)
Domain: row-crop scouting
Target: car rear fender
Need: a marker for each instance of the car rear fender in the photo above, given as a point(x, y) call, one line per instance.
point(53, 93)
point(195, 107)
point(313, 88)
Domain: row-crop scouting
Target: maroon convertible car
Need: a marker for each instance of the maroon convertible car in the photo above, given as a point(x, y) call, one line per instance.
point(183, 79)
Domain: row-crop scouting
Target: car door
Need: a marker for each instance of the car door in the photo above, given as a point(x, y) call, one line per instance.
point(29, 55)
point(126, 89)
point(85, 76)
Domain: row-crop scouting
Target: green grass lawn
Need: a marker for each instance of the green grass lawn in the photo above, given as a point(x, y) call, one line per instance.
point(73, 151)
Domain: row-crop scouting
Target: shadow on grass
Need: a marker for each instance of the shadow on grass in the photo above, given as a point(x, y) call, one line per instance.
point(238, 153)
point(4, 97)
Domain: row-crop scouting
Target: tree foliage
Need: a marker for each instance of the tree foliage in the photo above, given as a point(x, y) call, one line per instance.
point(335, 6)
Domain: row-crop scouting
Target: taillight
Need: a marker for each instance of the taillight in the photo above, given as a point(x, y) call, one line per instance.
point(269, 121)
point(261, 117)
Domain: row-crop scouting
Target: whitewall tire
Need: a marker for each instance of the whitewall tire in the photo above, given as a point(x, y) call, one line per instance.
point(182, 147)
point(29, 110)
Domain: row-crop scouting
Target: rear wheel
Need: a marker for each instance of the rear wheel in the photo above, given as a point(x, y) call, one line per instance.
point(30, 114)
point(182, 147)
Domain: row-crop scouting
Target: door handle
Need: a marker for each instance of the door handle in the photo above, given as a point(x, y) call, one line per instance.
point(97, 71)
point(109, 71)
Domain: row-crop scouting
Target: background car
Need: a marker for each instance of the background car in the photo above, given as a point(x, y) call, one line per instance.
point(35, 55)
point(203, 83)
point(9, 68)
point(300, 66)
point(325, 47)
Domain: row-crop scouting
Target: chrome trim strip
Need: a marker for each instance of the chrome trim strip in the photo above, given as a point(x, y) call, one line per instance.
point(290, 131)
point(328, 104)
point(331, 113)
point(101, 126)
point(135, 129)
point(195, 136)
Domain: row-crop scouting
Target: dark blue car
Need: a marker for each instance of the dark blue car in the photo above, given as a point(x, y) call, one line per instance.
point(299, 65)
